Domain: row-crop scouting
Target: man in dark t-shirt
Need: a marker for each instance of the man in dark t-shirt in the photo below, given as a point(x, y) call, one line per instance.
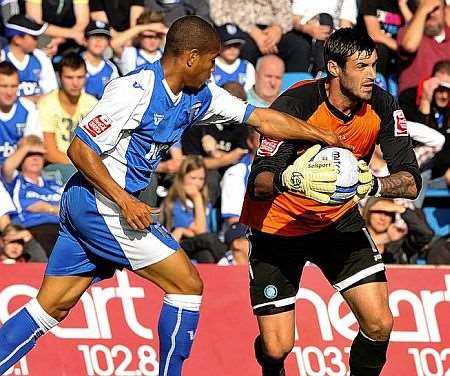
point(117, 11)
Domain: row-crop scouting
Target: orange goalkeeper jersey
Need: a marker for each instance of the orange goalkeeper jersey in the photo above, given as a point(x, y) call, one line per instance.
point(377, 121)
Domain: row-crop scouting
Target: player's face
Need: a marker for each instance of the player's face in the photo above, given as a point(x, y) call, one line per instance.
point(200, 69)
point(230, 53)
point(195, 178)
point(150, 41)
point(72, 81)
point(9, 85)
point(358, 76)
point(97, 44)
point(379, 221)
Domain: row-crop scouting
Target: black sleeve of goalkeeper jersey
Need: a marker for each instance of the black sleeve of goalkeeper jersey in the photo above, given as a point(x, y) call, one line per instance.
point(273, 155)
point(393, 138)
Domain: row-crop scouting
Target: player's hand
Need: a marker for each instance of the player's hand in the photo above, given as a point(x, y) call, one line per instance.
point(138, 214)
point(366, 181)
point(313, 179)
point(333, 139)
point(191, 191)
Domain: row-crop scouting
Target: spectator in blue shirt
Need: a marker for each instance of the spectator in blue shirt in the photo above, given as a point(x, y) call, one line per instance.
point(36, 199)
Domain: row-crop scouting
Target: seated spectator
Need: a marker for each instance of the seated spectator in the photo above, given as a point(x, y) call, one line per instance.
point(36, 74)
point(13, 251)
point(18, 116)
point(99, 70)
point(222, 145)
point(400, 234)
point(121, 15)
point(269, 72)
point(234, 182)
point(266, 25)
point(422, 43)
point(186, 212)
point(65, 19)
point(61, 110)
point(147, 37)
point(176, 9)
point(14, 236)
point(229, 67)
point(313, 22)
point(36, 199)
point(238, 245)
point(382, 20)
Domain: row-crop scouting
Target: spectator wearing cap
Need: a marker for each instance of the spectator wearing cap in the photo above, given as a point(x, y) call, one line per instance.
point(18, 116)
point(61, 110)
point(229, 67)
point(36, 199)
point(147, 39)
point(99, 70)
point(237, 242)
point(36, 74)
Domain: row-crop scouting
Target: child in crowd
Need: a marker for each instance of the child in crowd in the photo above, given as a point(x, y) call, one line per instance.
point(14, 250)
point(35, 69)
point(147, 37)
point(99, 70)
point(229, 67)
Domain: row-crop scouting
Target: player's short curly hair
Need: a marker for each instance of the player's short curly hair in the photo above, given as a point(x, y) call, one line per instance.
point(344, 42)
point(189, 33)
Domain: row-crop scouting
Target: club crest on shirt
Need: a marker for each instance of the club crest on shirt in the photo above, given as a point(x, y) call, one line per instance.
point(194, 111)
point(268, 147)
point(157, 118)
point(400, 125)
point(98, 125)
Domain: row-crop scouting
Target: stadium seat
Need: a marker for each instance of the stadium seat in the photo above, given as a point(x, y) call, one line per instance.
point(291, 78)
point(437, 210)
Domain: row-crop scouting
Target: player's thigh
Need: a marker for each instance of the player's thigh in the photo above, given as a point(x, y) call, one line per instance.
point(370, 304)
point(174, 275)
point(58, 294)
point(275, 267)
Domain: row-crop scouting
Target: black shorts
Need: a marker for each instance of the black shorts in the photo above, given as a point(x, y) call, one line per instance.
point(344, 252)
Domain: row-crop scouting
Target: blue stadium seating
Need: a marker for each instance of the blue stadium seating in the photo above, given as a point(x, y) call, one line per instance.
point(437, 210)
point(291, 78)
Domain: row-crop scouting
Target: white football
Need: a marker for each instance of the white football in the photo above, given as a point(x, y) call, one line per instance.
point(347, 169)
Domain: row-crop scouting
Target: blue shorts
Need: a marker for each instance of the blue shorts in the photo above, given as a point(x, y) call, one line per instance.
point(95, 239)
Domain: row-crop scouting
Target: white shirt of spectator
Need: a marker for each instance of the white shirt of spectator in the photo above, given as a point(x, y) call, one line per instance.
point(338, 9)
point(47, 78)
point(128, 60)
point(6, 204)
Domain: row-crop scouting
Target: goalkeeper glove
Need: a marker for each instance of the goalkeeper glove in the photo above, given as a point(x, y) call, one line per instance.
point(312, 179)
point(368, 184)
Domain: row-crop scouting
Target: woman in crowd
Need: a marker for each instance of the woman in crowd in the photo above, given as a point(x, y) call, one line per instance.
point(36, 199)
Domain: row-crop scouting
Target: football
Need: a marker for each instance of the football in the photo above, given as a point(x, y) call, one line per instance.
point(347, 169)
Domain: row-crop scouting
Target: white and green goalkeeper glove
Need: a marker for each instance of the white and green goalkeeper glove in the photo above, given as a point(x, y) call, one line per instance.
point(312, 179)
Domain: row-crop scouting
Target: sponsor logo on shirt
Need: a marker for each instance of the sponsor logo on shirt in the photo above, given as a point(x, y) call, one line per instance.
point(98, 125)
point(268, 147)
point(400, 125)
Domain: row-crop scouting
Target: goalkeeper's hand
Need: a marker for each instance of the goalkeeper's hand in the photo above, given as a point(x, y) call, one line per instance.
point(313, 179)
point(366, 181)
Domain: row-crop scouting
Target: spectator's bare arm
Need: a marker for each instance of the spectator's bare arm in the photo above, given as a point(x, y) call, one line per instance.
point(375, 32)
point(81, 16)
point(53, 154)
point(135, 12)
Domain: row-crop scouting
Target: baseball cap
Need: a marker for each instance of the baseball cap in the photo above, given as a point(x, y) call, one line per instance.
point(235, 231)
point(230, 33)
point(97, 28)
point(20, 24)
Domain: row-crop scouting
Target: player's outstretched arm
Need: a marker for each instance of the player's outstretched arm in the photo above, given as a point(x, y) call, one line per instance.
point(281, 126)
point(137, 214)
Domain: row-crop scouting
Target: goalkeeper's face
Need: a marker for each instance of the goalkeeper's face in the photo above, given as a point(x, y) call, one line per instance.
point(357, 77)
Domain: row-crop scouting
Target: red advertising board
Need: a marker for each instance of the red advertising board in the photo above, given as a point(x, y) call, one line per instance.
point(113, 331)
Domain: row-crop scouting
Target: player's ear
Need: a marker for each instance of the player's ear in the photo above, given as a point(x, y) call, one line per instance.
point(333, 68)
point(193, 57)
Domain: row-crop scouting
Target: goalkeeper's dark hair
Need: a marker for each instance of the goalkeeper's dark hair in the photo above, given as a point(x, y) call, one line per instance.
point(189, 33)
point(344, 42)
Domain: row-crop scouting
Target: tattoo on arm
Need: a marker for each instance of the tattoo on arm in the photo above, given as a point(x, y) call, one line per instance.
point(399, 185)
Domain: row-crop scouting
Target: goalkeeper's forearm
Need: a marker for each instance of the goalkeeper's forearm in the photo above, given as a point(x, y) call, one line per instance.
point(263, 186)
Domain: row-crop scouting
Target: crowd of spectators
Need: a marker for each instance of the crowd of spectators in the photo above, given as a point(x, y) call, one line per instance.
point(57, 57)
